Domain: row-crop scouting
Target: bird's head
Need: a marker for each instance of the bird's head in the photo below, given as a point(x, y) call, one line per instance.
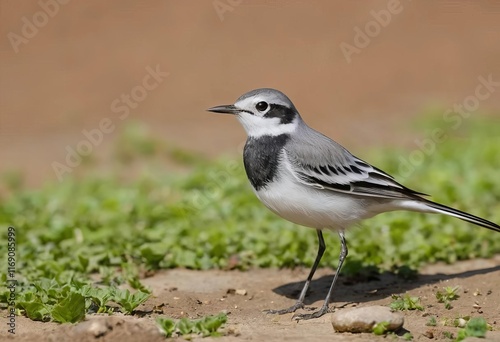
point(262, 112)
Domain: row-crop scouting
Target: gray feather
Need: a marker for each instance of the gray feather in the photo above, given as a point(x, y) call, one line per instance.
point(322, 163)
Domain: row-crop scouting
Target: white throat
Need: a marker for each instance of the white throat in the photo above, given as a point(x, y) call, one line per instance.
point(256, 126)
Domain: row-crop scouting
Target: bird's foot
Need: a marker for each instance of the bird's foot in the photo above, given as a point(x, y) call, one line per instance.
point(315, 314)
point(293, 308)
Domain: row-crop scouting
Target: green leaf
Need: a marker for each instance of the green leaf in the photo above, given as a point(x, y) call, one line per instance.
point(166, 326)
point(70, 310)
point(35, 310)
point(476, 327)
point(408, 336)
point(154, 253)
point(128, 301)
point(449, 294)
point(405, 303)
point(205, 326)
point(99, 296)
point(380, 328)
point(84, 262)
point(431, 322)
point(185, 326)
point(209, 325)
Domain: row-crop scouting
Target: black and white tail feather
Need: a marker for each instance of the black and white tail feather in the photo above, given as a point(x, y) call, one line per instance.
point(443, 209)
point(359, 178)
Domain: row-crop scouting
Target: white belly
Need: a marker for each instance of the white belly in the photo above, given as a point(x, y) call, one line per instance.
point(314, 208)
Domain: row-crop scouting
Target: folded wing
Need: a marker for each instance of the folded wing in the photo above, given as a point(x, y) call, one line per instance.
point(348, 174)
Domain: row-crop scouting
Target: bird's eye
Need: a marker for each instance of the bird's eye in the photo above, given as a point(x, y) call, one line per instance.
point(261, 106)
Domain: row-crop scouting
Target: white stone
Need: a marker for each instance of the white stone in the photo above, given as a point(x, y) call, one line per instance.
point(357, 320)
point(96, 327)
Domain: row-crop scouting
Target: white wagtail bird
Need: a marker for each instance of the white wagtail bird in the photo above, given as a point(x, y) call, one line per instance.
point(309, 179)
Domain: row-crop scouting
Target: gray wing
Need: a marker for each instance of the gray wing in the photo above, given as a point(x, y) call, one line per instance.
point(327, 165)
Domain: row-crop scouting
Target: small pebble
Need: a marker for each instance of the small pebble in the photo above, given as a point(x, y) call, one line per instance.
point(461, 322)
point(96, 327)
point(241, 292)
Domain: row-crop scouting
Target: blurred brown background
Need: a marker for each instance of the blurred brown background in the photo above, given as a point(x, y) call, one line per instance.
point(65, 63)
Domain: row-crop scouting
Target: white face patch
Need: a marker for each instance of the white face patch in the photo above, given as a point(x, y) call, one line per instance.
point(266, 112)
point(257, 126)
point(249, 103)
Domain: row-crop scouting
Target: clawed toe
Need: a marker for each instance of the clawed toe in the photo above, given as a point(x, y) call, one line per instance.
point(315, 314)
point(300, 316)
point(291, 309)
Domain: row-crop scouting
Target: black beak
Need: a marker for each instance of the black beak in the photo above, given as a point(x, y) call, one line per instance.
point(225, 109)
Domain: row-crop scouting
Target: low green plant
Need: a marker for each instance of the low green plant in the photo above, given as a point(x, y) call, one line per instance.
point(475, 327)
point(447, 295)
point(69, 302)
point(405, 302)
point(431, 322)
point(130, 301)
point(407, 336)
point(380, 328)
point(205, 326)
point(448, 335)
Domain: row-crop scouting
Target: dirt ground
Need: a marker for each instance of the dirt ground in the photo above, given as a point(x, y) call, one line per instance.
point(65, 77)
point(184, 293)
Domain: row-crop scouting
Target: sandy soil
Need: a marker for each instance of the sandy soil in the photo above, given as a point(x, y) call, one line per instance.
point(184, 293)
point(66, 77)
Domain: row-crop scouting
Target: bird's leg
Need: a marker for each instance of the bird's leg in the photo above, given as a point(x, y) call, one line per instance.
point(300, 302)
point(324, 308)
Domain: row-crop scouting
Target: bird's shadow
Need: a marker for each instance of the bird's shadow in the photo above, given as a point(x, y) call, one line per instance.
point(350, 289)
